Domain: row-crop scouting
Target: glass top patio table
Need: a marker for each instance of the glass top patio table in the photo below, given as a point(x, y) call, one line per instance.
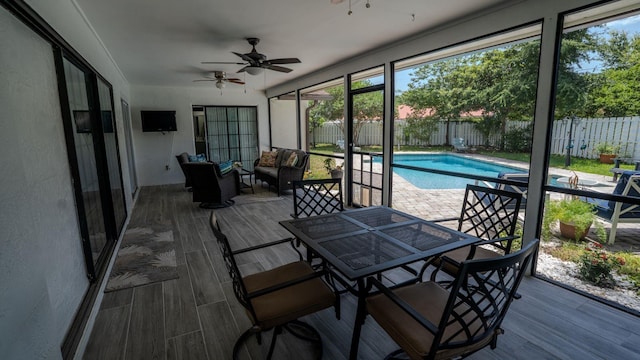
point(367, 241)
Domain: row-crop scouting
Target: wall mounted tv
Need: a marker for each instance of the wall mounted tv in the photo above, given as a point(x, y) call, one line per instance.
point(158, 120)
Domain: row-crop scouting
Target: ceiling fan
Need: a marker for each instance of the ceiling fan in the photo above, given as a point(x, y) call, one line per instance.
point(256, 62)
point(221, 79)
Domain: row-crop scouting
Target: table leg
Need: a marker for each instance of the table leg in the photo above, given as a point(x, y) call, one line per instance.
point(361, 314)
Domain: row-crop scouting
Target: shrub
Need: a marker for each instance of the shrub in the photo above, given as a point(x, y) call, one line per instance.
point(595, 265)
point(518, 139)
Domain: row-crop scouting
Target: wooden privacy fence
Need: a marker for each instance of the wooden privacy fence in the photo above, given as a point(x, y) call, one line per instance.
point(585, 136)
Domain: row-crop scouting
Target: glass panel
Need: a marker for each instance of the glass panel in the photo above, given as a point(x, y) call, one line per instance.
point(595, 146)
point(322, 107)
point(113, 157)
point(217, 133)
point(232, 134)
point(248, 135)
point(367, 78)
point(76, 82)
point(126, 120)
point(467, 110)
point(367, 139)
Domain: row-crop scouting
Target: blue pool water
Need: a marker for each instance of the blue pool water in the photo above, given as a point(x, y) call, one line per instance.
point(446, 162)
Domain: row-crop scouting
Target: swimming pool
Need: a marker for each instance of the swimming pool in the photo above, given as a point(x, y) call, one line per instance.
point(447, 162)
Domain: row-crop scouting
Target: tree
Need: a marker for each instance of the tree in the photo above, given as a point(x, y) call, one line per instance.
point(441, 90)
point(573, 84)
point(487, 125)
point(616, 89)
point(367, 108)
point(421, 127)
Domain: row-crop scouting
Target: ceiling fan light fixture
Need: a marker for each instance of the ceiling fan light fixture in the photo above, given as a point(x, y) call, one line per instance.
point(220, 84)
point(253, 70)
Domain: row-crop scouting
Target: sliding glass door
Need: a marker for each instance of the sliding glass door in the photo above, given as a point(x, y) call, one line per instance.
point(93, 147)
point(232, 134)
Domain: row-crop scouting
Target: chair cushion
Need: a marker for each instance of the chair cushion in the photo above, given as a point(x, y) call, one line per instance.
point(271, 171)
point(282, 156)
point(621, 185)
point(429, 299)
point(284, 305)
point(267, 159)
point(460, 255)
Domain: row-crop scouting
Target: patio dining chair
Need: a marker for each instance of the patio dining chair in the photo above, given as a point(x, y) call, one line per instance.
point(488, 214)
point(429, 321)
point(317, 197)
point(275, 299)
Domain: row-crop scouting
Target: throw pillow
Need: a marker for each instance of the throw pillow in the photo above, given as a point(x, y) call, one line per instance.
point(267, 159)
point(291, 161)
point(226, 166)
point(197, 158)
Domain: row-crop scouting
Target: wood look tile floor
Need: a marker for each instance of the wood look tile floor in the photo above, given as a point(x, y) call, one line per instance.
point(197, 316)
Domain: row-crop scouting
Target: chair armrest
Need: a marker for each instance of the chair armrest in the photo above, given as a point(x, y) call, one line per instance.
point(403, 305)
point(486, 242)
point(445, 219)
point(262, 246)
point(229, 182)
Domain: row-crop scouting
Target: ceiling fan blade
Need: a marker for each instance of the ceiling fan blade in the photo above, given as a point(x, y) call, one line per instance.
point(223, 62)
point(277, 68)
point(244, 57)
point(236, 81)
point(233, 79)
point(283, 61)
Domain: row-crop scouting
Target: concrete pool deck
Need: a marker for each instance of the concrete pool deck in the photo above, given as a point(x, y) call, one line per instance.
point(444, 203)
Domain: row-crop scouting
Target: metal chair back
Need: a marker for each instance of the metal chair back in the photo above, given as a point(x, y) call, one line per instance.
point(317, 197)
point(480, 298)
point(490, 214)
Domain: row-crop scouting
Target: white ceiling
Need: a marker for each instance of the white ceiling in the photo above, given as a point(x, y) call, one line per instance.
point(163, 42)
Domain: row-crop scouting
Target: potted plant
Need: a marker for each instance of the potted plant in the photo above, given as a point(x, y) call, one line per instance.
point(574, 216)
point(332, 168)
point(607, 152)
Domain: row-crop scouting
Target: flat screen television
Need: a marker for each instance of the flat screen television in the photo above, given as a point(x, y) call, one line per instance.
point(155, 120)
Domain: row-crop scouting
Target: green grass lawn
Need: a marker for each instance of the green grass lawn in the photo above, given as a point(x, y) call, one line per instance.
point(592, 166)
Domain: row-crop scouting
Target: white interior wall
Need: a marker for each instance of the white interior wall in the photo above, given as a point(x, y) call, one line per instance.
point(42, 271)
point(283, 123)
point(154, 151)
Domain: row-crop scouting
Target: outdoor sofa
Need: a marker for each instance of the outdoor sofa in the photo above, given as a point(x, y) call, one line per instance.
point(281, 168)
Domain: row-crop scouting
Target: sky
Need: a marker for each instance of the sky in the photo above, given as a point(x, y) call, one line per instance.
point(631, 25)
